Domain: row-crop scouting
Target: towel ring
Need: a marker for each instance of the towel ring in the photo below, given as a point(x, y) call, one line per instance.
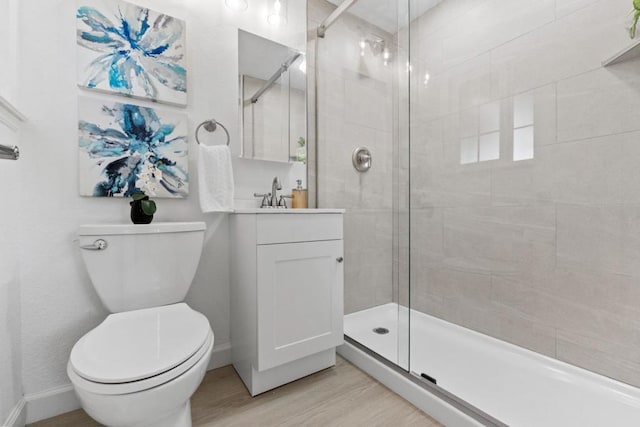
point(211, 126)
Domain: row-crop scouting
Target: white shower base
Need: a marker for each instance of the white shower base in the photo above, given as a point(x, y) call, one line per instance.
point(517, 386)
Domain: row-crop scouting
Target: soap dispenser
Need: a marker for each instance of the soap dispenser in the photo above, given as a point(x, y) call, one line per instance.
point(299, 197)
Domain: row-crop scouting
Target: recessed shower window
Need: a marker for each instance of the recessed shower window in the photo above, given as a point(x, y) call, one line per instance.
point(489, 130)
point(485, 145)
point(523, 127)
point(489, 147)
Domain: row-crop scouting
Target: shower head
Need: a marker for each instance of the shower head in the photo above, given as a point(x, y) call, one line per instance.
point(376, 44)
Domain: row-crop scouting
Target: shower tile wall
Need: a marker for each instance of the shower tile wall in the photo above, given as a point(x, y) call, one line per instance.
point(355, 109)
point(525, 177)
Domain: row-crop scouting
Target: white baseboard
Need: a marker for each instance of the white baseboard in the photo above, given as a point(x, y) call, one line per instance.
point(427, 402)
point(50, 403)
point(47, 404)
point(18, 415)
point(220, 356)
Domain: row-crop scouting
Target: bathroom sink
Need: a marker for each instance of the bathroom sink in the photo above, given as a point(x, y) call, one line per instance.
point(286, 211)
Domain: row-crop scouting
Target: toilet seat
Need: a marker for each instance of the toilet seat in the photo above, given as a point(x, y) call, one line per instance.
point(134, 351)
point(141, 385)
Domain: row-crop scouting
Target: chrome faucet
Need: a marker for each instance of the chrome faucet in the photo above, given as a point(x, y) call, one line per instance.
point(275, 186)
point(270, 200)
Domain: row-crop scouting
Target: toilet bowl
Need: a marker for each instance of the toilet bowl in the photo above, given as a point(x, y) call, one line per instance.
point(140, 368)
point(141, 365)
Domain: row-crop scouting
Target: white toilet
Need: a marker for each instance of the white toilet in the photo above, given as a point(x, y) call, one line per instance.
point(142, 364)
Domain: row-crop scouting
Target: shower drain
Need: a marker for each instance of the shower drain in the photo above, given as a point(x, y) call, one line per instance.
point(381, 330)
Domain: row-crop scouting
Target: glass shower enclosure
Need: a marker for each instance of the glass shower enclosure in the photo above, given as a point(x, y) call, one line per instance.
point(361, 71)
point(502, 202)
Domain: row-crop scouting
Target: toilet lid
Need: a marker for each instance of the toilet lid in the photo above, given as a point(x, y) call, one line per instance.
point(135, 345)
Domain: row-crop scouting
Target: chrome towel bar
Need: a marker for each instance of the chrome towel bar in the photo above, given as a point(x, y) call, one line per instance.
point(9, 153)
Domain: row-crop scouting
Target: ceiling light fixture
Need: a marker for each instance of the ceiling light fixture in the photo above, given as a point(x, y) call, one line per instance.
point(237, 5)
point(278, 13)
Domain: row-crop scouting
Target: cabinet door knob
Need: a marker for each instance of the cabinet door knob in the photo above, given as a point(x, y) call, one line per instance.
point(339, 259)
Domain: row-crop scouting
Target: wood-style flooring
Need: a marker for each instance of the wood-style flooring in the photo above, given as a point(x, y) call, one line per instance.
point(339, 396)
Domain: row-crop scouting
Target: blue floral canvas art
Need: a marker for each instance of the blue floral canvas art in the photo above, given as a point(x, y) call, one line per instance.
point(124, 149)
point(132, 51)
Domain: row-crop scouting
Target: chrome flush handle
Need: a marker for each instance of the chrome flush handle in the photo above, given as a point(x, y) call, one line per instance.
point(98, 245)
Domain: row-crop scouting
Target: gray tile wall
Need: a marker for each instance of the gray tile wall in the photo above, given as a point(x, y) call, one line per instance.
point(543, 252)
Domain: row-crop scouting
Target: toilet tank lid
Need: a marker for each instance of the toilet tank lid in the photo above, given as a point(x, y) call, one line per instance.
point(156, 227)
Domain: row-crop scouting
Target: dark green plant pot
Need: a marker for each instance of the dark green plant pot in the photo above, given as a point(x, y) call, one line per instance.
point(137, 214)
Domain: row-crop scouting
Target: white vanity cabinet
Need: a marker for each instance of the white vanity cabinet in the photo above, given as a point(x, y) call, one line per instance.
point(286, 294)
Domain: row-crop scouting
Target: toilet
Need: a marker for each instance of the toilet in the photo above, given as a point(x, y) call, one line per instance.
point(143, 363)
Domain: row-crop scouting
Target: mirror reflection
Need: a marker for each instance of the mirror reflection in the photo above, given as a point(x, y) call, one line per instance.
point(273, 100)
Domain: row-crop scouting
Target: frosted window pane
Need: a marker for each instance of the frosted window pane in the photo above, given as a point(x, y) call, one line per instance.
point(489, 117)
point(523, 143)
point(468, 150)
point(490, 146)
point(523, 110)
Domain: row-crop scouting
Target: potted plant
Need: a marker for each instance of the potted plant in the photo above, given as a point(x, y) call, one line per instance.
point(149, 177)
point(142, 208)
point(636, 17)
point(301, 151)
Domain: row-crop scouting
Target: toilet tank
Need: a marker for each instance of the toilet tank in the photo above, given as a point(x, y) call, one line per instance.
point(142, 266)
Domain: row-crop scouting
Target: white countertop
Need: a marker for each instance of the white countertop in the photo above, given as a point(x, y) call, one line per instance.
point(287, 211)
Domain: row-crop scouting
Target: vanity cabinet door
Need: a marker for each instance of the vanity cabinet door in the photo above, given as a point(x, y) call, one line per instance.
point(300, 308)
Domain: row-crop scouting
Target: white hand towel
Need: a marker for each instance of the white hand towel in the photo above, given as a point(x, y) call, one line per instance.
point(215, 178)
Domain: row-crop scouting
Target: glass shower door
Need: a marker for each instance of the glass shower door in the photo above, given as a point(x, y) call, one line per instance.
point(361, 101)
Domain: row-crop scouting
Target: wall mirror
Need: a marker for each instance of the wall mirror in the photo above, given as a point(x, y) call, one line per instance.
point(273, 100)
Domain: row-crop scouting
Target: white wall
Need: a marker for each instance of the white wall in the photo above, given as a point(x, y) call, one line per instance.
point(10, 334)
point(8, 48)
point(10, 357)
point(59, 304)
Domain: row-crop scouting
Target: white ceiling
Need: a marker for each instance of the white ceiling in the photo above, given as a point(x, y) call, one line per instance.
point(384, 13)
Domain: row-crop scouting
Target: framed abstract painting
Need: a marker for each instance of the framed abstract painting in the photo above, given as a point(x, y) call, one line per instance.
point(132, 51)
point(124, 149)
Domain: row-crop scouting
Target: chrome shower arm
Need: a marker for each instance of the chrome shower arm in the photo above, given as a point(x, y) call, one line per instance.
point(274, 77)
point(9, 153)
point(324, 26)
